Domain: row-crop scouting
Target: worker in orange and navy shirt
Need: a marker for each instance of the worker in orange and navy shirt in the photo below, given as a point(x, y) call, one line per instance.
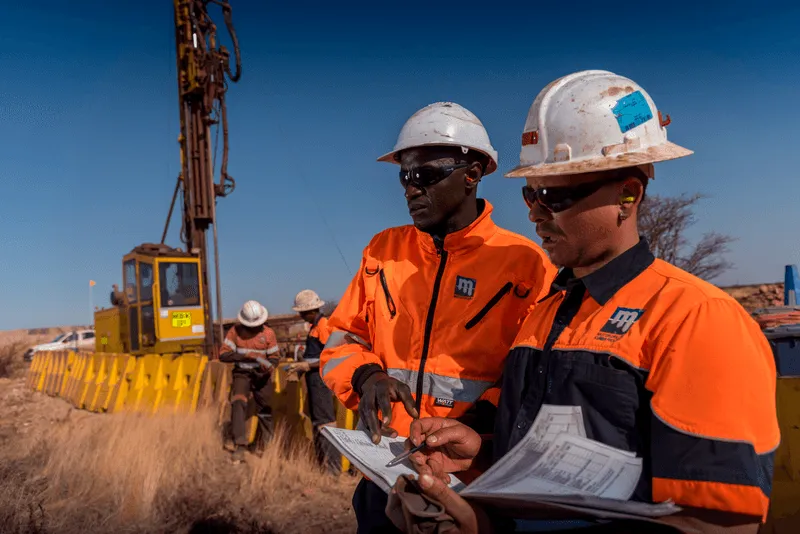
point(320, 399)
point(425, 324)
point(253, 348)
point(661, 363)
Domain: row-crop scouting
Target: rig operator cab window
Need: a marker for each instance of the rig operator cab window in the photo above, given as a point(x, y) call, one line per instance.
point(179, 299)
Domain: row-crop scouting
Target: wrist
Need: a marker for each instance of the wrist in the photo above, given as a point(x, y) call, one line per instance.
point(365, 373)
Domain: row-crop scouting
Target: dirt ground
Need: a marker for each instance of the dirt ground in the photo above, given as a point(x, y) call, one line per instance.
point(70, 471)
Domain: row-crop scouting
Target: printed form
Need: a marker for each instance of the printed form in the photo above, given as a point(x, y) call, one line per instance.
point(556, 458)
point(371, 459)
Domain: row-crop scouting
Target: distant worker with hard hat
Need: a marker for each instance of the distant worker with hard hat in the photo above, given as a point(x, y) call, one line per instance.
point(427, 321)
point(253, 347)
point(320, 399)
point(661, 364)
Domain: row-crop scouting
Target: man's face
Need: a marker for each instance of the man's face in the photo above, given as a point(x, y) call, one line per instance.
point(308, 316)
point(579, 235)
point(431, 205)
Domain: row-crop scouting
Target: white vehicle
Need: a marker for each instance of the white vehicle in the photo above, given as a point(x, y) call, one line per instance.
point(78, 340)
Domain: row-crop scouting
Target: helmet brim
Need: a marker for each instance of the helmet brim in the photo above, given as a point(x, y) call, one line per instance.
point(655, 154)
point(391, 157)
point(252, 324)
point(301, 309)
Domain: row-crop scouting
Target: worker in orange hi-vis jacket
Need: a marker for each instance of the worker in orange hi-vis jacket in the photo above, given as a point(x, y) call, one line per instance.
point(253, 347)
point(657, 362)
point(320, 400)
point(424, 327)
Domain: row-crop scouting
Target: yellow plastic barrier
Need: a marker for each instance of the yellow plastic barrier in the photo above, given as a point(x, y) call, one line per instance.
point(54, 365)
point(215, 387)
point(145, 384)
point(94, 382)
point(784, 512)
point(182, 377)
point(74, 383)
point(69, 361)
point(36, 371)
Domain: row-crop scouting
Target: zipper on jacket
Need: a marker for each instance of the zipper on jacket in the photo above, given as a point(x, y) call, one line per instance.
point(489, 305)
point(389, 300)
point(442, 253)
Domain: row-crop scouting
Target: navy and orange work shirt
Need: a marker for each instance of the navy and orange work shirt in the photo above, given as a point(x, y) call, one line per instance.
point(316, 339)
point(662, 364)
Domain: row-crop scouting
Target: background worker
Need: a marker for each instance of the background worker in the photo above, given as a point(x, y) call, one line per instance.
point(253, 347)
point(661, 363)
point(320, 399)
point(426, 322)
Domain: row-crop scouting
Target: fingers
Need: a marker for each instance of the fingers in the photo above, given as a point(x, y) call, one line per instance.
point(368, 414)
point(438, 471)
point(457, 507)
point(388, 431)
point(403, 394)
point(385, 404)
point(461, 435)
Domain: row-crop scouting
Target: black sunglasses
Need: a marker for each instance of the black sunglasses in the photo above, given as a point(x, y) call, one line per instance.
point(555, 199)
point(426, 176)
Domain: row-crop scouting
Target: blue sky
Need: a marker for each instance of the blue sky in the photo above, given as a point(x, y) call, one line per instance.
point(89, 121)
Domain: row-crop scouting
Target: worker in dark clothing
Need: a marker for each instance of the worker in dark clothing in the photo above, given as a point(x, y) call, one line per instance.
point(253, 347)
point(660, 363)
point(320, 399)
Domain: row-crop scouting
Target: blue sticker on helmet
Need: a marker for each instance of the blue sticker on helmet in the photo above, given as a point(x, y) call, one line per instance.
point(631, 111)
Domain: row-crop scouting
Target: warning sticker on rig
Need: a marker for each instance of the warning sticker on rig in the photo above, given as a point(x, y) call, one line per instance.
point(631, 111)
point(181, 319)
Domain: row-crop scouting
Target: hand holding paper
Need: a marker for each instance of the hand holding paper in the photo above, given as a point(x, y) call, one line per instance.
point(451, 446)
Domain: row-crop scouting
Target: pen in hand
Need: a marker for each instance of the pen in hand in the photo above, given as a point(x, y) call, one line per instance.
point(402, 456)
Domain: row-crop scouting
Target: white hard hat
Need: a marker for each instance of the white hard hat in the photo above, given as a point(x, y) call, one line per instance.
point(307, 300)
point(444, 124)
point(589, 121)
point(253, 314)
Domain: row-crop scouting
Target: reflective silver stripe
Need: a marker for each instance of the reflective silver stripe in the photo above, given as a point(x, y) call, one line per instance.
point(245, 351)
point(333, 363)
point(445, 387)
point(336, 339)
point(230, 343)
point(311, 360)
point(339, 338)
point(272, 350)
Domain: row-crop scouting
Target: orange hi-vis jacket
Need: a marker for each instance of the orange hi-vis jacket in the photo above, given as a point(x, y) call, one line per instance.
point(439, 317)
point(264, 343)
point(661, 364)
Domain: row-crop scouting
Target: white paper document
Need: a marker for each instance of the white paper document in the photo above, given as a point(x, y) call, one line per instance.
point(371, 459)
point(553, 463)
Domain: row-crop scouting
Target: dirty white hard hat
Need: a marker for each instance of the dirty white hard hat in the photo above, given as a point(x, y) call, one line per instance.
point(307, 300)
point(444, 124)
point(589, 121)
point(253, 314)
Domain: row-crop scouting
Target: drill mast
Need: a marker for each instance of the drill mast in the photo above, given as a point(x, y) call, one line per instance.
point(203, 65)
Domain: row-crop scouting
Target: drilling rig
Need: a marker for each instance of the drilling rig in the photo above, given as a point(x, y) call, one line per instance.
point(165, 305)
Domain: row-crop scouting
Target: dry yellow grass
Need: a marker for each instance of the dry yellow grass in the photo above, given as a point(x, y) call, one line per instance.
point(11, 363)
point(69, 471)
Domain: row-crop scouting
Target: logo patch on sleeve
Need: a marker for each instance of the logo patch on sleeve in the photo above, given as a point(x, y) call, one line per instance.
point(465, 287)
point(440, 401)
point(619, 323)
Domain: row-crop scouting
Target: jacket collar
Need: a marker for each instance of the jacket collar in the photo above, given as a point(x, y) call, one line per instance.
point(604, 283)
point(466, 239)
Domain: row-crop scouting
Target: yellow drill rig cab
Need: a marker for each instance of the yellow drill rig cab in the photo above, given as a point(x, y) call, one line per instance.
point(161, 309)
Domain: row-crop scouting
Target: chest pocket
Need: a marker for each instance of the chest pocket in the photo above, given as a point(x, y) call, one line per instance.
point(606, 390)
point(511, 296)
point(379, 294)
